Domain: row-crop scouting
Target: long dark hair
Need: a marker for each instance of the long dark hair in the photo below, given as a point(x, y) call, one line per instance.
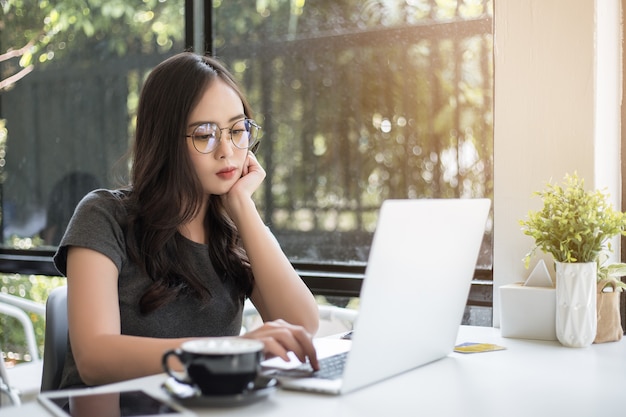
point(166, 191)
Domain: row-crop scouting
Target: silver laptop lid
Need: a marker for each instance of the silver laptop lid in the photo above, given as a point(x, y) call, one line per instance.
point(418, 276)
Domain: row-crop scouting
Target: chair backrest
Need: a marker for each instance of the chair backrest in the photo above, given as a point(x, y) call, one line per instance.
point(18, 307)
point(5, 387)
point(55, 341)
point(21, 382)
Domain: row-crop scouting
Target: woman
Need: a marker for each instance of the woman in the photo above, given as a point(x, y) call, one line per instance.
point(174, 255)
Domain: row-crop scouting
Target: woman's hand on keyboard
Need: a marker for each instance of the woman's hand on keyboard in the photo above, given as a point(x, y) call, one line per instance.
point(281, 337)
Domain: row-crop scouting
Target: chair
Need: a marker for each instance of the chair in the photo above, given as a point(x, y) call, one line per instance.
point(6, 389)
point(55, 342)
point(20, 383)
point(335, 320)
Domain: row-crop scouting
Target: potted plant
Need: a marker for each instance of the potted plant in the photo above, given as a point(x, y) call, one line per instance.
point(575, 226)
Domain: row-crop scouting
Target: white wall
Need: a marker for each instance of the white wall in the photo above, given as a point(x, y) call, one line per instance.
point(557, 83)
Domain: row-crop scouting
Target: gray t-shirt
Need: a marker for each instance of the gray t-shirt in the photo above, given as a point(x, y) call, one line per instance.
point(96, 224)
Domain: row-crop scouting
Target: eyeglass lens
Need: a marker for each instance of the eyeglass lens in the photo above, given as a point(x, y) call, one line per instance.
point(207, 136)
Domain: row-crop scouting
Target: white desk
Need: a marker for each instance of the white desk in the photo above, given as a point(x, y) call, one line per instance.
point(530, 378)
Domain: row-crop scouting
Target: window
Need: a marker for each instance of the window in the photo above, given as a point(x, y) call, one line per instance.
point(71, 80)
point(359, 102)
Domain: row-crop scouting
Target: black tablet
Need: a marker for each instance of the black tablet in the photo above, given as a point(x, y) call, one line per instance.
point(87, 403)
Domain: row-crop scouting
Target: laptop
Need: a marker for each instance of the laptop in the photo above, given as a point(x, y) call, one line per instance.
point(420, 267)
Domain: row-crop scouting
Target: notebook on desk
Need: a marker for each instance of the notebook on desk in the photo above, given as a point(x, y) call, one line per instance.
point(420, 267)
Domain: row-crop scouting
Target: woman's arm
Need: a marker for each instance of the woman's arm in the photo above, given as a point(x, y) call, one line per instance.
point(279, 292)
point(103, 355)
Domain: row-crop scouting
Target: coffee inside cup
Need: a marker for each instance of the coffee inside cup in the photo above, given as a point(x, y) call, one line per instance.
point(218, 366)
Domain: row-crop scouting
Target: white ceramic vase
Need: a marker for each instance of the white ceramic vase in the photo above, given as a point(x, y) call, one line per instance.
point(576, 315)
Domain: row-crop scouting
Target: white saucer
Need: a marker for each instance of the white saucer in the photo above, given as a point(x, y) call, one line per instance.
point(191, 396)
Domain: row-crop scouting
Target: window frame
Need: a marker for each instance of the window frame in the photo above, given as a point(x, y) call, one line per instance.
point(326, 279)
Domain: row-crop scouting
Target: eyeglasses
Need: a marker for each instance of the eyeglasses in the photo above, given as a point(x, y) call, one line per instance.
point(244, 134)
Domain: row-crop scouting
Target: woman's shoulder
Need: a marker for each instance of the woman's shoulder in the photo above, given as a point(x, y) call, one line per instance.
point(105, 196)
point(104, 203)
point(98, 224)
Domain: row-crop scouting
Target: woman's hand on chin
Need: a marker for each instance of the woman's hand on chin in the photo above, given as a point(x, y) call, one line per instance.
point(252, 176)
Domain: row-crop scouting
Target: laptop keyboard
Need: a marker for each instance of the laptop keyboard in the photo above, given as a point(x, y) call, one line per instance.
point(331, 367)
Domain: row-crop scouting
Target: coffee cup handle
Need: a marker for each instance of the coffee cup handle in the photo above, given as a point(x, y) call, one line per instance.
point(168, 370)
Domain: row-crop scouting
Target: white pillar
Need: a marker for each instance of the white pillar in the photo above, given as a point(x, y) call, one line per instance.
point(556, 107)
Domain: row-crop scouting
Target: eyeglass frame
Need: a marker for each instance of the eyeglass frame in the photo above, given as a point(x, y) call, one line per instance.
point(218, 137)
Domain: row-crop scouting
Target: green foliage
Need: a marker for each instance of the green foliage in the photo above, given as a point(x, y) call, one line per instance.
point(32, 287)
point(360, 102)
point(363, 103)
point(611, 272)
point(56, 29)
point(574, 225)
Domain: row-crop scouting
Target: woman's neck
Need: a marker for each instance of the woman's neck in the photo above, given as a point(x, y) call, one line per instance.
point(194, 230)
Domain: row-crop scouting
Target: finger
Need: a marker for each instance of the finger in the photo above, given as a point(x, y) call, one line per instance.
point(274, 348)
point(305, 341)
point(247, 163)
point(253, 164)
point(295, 339)
point(268, 334)
point(282, 337)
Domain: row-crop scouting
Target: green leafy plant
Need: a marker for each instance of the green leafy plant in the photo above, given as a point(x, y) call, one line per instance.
point(574, 225)
point(611, 272)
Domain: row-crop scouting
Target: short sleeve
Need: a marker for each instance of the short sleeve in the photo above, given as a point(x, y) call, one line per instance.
point(96, 224)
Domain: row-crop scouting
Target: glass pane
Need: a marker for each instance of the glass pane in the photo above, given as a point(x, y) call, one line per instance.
point(71, 80)
point(362, 102)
